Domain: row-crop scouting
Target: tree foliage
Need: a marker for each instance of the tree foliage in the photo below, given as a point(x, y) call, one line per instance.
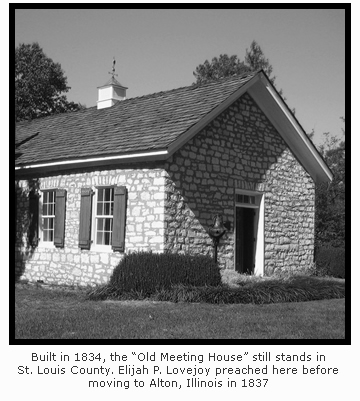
point(330, 198)
point(256, 60)
point(221, 67)
point(40, 84)
point(225, 66)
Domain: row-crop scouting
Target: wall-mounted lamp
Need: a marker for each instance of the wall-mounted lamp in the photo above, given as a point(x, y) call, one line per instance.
point(216, 231)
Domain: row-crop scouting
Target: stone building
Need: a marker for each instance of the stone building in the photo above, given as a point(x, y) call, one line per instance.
point(150, 173)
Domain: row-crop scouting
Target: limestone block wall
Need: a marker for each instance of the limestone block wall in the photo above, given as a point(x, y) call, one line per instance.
point(289, 216)
point(71, 265)
point(240, 149)
point(171, 205)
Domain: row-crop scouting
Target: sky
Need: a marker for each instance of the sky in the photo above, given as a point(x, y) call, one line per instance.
point(158, 50)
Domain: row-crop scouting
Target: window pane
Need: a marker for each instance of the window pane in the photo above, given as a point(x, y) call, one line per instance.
point(107, 238)
point(100, 194)
point(107, 195)
point(107, 224)
point(99, 238)
point(46, 224)
point(107, 209)
point(51, 224)
point(99, 210)
point(100, 225)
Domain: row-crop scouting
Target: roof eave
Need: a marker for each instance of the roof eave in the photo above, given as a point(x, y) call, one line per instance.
point(276, 110)
point(145, 156)
point(279, 114)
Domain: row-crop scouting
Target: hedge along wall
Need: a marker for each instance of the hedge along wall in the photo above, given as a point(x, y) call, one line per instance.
point(240, 149)
point(69, 264)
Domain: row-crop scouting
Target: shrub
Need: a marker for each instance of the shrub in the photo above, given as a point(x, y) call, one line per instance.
point(330, 262)
point(149, 272)
point(298, 289)
point(295, 289)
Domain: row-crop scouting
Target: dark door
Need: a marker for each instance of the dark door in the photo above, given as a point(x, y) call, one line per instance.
point(244, 257)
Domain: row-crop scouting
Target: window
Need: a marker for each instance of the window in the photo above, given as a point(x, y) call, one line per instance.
point(48, 216)
point(249, 199)
point(52, 208)
point(103, 219)
point(104, 216)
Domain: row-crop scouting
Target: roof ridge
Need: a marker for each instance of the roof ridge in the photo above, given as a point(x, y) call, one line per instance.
point(194, 85)
point(149, 95)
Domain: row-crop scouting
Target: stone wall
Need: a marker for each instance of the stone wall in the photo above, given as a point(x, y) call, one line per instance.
point(71, 265)
point(240, 149)
point(171, 205)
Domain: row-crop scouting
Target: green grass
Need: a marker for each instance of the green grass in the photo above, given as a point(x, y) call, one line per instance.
point(42, 313)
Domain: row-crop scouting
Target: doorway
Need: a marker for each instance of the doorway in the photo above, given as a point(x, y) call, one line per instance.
point(245, 239)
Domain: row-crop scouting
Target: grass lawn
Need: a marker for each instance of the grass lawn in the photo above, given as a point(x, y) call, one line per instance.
point(42, 313)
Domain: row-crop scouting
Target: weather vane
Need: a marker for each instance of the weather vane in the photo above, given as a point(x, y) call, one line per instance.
point(113, 69)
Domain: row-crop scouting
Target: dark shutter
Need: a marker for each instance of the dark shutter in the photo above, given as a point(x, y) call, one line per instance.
point(85, 218)
point(118, 234)
point(33, 219)
point(60, 209)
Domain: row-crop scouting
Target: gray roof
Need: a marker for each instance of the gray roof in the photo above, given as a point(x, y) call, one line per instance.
point(142, 124)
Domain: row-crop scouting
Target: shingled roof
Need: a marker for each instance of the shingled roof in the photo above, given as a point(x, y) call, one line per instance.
point(153, 127)
point(140, 124)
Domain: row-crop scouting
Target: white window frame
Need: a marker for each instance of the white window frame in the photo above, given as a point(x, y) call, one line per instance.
point(42, 243)
point(94, 245)
point(260, 232)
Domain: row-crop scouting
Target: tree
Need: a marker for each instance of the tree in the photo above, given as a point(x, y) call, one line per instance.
point(256, 60)
point(221, 67)
point(226, 66)
point(330, 198)
point(40, 84)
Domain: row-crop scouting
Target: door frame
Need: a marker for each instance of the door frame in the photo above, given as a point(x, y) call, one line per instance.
point(259, 223)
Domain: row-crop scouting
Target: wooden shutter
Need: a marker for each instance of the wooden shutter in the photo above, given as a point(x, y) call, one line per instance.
point(33, 234)
point(85, 218)
point(60, 210)
point(119, 219)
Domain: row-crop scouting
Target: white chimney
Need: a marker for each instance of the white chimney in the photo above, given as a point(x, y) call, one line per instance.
point(110, 93)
